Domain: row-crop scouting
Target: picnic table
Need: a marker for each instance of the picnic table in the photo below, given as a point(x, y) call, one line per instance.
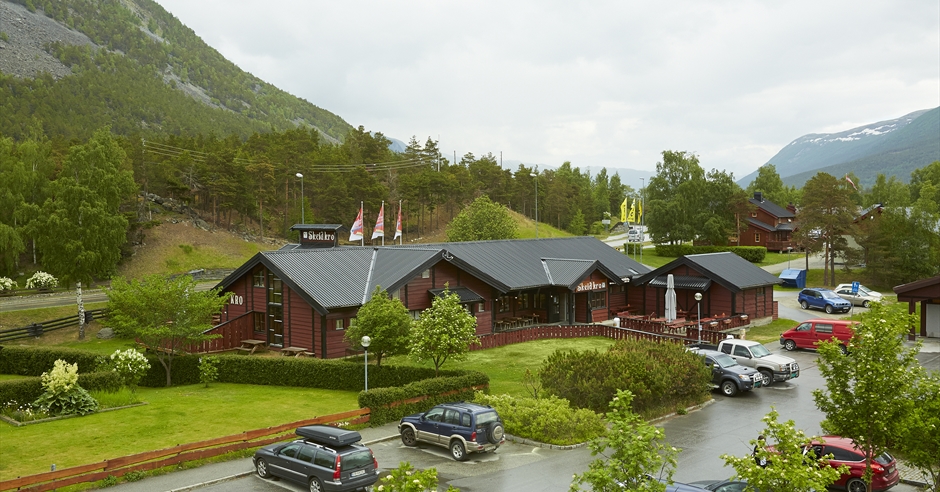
point(251, 346)
point(295, 352)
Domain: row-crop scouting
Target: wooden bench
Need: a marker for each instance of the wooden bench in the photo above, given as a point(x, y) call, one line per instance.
point(295, 352)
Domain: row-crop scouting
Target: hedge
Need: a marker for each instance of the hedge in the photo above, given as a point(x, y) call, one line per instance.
point(438, 390)
point(33, 361)
point(753, 254)
point(27, 390)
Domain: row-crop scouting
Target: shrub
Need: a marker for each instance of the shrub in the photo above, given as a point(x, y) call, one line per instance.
point(753, 254)
point(551, 420)
point(29, 389)
point(41, 280)
point(208, 370)
point(63, 395)
point(661, 375)
point(438, 390)
point(130, 365)
point(406, 479)
point(7, 283)
point(33, 361)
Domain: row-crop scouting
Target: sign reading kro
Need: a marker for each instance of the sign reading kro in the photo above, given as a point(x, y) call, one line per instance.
point(591, 285)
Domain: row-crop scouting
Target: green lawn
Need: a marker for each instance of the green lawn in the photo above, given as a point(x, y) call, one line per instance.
point(172, 416)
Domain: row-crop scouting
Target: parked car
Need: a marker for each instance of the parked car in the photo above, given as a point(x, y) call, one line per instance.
point(863, 297)
point(325, 459)
point(461, 427)
point(844, 452)
point(809, 333)
point(753, 354)
point(634, 236)
point(727, 375)
point(721, 485)
point(824, 299)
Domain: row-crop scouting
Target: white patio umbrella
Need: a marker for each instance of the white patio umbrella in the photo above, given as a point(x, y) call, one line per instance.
point(670, 299)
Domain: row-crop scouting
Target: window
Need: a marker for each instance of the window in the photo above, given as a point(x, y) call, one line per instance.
point(525, 301)
point(426, 273)
point(726, 348)
point(435, 415)
point(415, 314)
point(396, 294)
point(741, 351)
point(275, 290)
point(465, 419)
point(451, 417)
point(597, 300)
point(291, 450)
point(324, 459)
point(804, 327)
point(754, 214)
point(258, 321)
point(306, 454)
point(339, 324)
point(502, 304)
point(258, 279)
point(823, 328)
point(760, 291)
point(481, 306)
point(756, 237)
point(538, 301)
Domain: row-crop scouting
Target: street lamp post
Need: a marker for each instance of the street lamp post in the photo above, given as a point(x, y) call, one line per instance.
point(302, 219)
point(698, 305)
point(366, 341)
point(536, 176)
point(789, 248)
point(642, 217)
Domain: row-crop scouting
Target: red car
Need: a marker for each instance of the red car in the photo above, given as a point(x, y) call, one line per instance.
point(844, 452)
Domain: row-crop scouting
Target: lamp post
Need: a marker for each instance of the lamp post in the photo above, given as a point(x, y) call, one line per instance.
point(536, 176)
point(789, 248)
point(698, 305)
point(366, 341)
point(642, 217)
point(301, 176)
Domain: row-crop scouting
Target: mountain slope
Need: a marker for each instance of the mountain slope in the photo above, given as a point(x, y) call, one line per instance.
point(132, 64)
point(893, 147)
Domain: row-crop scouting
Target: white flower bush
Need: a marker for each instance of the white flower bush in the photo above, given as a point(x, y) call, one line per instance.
point(63, 395)
point(7, 284)
point(41, 280)
point(130, 365)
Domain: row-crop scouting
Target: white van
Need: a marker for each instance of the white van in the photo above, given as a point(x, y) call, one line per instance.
point(634, 236)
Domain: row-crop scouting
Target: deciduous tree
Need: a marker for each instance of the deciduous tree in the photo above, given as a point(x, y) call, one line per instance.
point(386, 321)
point(482, 220)
point(633, 451)
point(166, 314)
point(786, 468)
point(868, 391)
point(444, 331)
point(920, 441)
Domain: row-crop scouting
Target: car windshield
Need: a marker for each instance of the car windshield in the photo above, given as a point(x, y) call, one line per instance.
point(357, 459)
point(487, 417)
point(828, 294)
point(759, 351)
point(725, 360)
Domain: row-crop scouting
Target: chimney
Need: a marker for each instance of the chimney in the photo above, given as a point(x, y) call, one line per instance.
point(791, 207)
point(758, 196)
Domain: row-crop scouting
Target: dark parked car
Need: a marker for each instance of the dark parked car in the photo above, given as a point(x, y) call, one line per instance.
point(463, 428)
point(824, 299)
point(844, 452)
point(722, 485)
point(326, 459)
point(727, 375)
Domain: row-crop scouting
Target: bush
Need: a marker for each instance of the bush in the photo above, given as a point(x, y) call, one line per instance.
point(661, 375)
point(7, 283)
point(130, 366)
point(406, 479)
point(753, 254)
point(438, 390)
point(551, 420)
point(33, 361)
point(62, 395)
point(41, 280)
point(208, 370)
point(29, 389)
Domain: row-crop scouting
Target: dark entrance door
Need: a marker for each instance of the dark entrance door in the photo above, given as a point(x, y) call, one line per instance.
point(554, 309)
point(275, 311)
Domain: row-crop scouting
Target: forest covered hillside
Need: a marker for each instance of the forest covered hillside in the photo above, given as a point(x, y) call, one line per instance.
point(68, 67)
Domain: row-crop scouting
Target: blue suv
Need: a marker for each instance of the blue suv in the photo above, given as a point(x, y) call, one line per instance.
point(824, 299)
point(463, 428)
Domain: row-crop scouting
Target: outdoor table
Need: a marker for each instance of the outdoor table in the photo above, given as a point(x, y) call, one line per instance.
point(251, 346)
point(293, 351)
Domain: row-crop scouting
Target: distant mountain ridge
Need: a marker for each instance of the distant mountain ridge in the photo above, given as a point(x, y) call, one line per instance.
point(892, 147)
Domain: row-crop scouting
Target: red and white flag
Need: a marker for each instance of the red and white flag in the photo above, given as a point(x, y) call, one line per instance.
point(398, 224)
point(847, 178)
point(379, 230)
point(355, 233)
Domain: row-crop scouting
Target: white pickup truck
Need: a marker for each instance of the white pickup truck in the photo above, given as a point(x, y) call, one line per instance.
point(753, 354)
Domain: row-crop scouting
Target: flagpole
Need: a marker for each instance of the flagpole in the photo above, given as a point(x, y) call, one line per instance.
point(362, 240)
point(398, 223)
point(383, 222)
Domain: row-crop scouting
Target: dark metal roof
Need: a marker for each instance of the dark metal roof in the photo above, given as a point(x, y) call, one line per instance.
point(465, 294)
point(726, 269)
point(760, 225)
point(330, 278)
point(682, 282)
point(773, 209)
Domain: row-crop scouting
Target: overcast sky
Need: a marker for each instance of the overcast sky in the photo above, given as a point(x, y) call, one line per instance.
point(599, 84)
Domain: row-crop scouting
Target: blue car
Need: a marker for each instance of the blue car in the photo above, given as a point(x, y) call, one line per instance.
point(824, 299)
point(462, 428)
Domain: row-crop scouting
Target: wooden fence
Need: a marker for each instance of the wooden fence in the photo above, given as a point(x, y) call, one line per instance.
point(649, 330)
point(34, 330)
point(232, 333)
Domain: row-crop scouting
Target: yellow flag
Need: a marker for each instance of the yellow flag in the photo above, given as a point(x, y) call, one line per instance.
point(623, 210)
point(639, 212)
point(631, 217)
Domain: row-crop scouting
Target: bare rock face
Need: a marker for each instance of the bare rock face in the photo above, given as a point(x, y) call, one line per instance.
point(105, 333)
point(25, 35)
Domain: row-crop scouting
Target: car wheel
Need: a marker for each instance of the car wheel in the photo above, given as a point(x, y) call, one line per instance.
point(458, 451)
point(768, 377)
point(790, 345)
point(844, 349)
point(315, 485)
point(494, 432)
point(729, 388)
point(804, 304)
point(408, 437)
point(866, 304)
point(261, 467)
point(856, 485)
point(828, 308)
